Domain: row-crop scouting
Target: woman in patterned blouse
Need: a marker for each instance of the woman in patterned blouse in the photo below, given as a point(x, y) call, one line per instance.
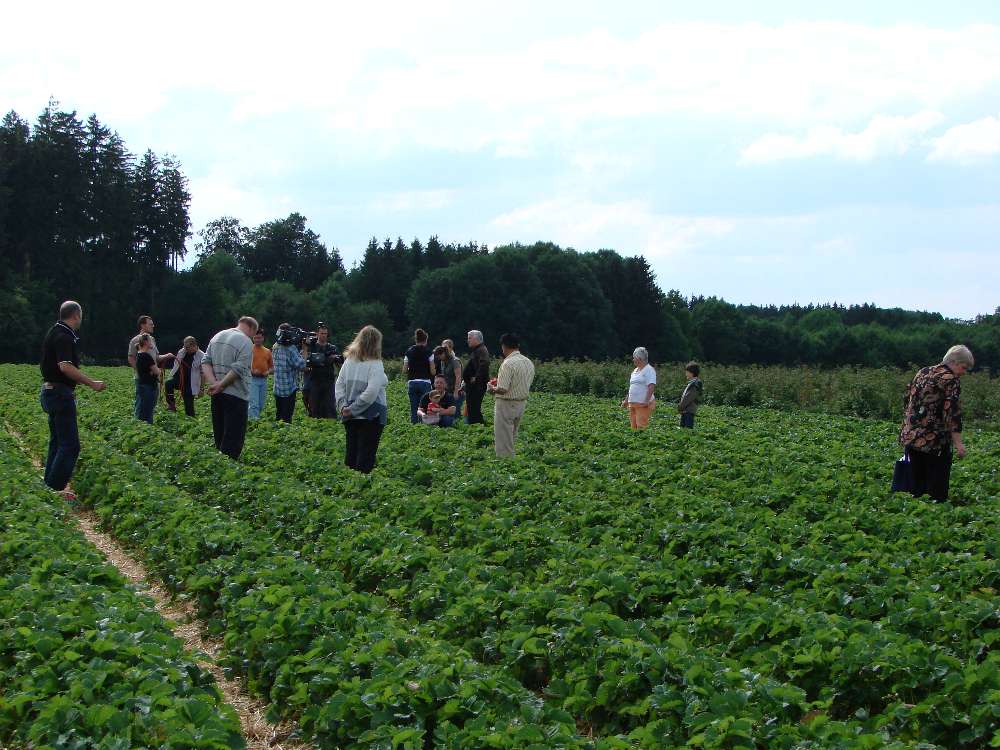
point(932, 422)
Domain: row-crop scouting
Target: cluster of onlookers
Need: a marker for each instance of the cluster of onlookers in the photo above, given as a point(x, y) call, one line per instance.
point(235, 367)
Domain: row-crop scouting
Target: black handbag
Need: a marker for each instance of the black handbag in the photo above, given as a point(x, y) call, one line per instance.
point(902, 474)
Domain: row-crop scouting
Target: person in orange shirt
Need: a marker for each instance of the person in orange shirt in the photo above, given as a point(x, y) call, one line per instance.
point(261, 366)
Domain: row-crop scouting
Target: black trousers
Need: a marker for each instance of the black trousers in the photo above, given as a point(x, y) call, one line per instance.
point(173, 384)
point(285, 407)
point(687, 420)
point(931, 473)
point(363, 436)
point(321, 401)
point(229, 423)
point(474, 398)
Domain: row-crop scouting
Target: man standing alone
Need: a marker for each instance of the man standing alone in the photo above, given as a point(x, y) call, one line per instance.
point(511, 394)
point(226, 371)
point(476, 375)
point(61, 372)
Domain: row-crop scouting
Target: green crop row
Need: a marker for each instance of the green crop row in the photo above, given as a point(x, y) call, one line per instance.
point(83, 661)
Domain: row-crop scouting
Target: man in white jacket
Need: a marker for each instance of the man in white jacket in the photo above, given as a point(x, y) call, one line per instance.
point(186, 375)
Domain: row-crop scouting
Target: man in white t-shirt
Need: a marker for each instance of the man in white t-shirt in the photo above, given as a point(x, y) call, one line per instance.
point(641, 383)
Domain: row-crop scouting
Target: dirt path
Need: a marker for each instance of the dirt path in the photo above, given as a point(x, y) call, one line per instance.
point(180, 615)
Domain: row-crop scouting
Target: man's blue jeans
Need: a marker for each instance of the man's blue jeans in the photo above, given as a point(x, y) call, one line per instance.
point(258, 394)
point(416, 390)
point(64, 437)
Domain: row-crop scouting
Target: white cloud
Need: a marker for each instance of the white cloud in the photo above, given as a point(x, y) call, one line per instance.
point(968, 143)
point(631, 227)
point(884, 136)
point(445, 76)
point(412, 200)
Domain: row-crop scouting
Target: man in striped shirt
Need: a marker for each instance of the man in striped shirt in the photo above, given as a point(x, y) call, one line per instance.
point(510, 392)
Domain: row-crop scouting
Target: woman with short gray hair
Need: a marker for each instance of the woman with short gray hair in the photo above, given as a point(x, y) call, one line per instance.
point(642, 382)
point(932, 423)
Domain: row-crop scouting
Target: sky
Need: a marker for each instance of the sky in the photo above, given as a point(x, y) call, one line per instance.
point(765, 152)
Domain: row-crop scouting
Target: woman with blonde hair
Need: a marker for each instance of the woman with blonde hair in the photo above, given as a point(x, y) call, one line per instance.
point(361, 398)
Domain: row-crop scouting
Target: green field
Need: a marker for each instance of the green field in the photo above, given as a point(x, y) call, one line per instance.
point(749, 584)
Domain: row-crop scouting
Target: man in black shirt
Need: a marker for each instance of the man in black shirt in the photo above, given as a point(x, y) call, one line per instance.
point(322, 359)
point(61, 372)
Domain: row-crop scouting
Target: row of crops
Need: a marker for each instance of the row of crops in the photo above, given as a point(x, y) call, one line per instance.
point(748, 584)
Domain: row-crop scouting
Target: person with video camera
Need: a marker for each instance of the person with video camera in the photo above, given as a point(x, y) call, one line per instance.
point(288, 363)
point(321, 368)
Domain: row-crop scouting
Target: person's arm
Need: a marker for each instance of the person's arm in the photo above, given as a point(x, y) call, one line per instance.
point(164, 358)
point(154, 370)
point(75, 374)
point(504, 377)
point(376, 383)
point(458, 379)
point(295, 359)
point(207, 370)
point(686, 398)
point(952, 415)
point(649, 392)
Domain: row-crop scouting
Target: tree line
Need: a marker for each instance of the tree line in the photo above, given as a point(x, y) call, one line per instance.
point(82, 217)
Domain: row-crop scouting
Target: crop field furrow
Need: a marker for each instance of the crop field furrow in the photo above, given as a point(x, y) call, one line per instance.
point(750, 584)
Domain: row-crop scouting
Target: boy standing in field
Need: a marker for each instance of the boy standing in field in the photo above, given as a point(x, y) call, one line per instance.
point(687, 407)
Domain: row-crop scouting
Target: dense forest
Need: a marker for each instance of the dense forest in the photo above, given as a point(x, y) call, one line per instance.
point(82, 217)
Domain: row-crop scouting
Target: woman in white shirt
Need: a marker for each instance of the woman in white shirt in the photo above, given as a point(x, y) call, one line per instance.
point(641, 383)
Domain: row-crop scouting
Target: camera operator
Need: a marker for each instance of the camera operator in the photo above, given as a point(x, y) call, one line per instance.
point(321, 368)
point(288, 363)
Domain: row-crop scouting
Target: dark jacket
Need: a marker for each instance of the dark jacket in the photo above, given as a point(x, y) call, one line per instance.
point(477, 370)
point(691, 396)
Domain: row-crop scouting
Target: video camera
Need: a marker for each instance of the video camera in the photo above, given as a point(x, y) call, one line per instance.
point(292, 336)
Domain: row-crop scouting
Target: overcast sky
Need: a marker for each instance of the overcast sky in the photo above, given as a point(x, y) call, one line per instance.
point(754, 151)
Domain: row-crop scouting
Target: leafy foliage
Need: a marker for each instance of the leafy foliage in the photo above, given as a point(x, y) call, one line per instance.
point(84, 662)
point(750, 584)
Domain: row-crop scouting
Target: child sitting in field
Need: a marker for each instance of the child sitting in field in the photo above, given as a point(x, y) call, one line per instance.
point(437, 406)
point(688, 405)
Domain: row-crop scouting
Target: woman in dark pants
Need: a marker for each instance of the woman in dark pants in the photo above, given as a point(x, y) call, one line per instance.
point(932, 422)
point(361, 398)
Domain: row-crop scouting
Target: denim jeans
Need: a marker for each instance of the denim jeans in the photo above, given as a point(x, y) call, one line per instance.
point(145, 401)
point(64, 437)
point(416, 390)
point(258, 395)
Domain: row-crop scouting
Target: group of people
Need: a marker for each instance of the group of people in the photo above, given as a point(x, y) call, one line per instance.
point(235, 366)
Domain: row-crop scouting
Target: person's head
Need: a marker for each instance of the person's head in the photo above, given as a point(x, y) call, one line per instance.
point(509, 342)
point(366, 345)
point(441, 352)
point(692, 370)
point(258, 337)
point(959, 358)
point(450, 344)
point(420, 336)
point(474, 338)
point(322, 332)
point(145, 341)
point(190, 344)
point(146, 324)
point(640, 356)
point(440, 383)
point(248, 325)
point(71, 314)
